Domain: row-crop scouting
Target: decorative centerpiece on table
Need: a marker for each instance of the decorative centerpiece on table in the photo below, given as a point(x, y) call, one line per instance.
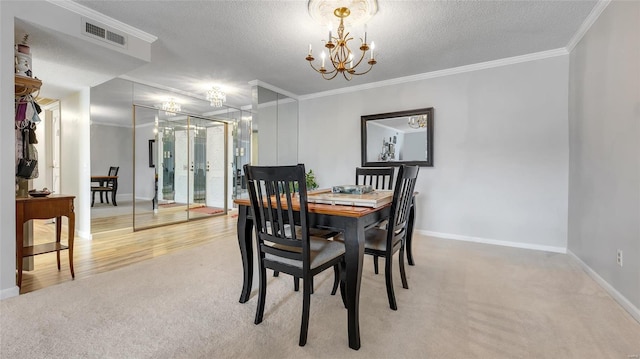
point(311, 180)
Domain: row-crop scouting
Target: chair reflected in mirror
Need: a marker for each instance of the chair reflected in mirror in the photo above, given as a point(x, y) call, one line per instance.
point(105, 185)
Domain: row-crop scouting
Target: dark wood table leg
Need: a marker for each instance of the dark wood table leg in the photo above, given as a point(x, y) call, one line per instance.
point(72, 230)
point(113, 193)
point(245, 227)
point(412, 215)
point(354, 246)
point(58, 235)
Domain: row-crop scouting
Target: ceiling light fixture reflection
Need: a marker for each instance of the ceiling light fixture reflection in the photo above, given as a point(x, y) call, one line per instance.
point(216, 96)
point(418, 121)
point(171, 107)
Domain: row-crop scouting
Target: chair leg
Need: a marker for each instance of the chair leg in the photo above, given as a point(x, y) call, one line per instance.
point(262, 293)
point(106, 196)
point(93, 197)
point(336, 279)
point(343, 283)
point(113, 198)
point(296, 284)
point(375, 264)
point(389, 281)
point(306, 302)
point(403, 275)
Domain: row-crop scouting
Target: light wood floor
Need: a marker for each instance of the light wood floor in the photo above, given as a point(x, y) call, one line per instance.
point(118, 249)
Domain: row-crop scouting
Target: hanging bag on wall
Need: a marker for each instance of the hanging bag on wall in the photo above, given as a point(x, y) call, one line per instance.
point(28, 165)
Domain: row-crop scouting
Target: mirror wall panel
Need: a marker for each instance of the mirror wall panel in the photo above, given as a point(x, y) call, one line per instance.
point(174, 165)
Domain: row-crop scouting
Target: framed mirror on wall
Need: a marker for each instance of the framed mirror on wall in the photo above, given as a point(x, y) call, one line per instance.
point(397, 138)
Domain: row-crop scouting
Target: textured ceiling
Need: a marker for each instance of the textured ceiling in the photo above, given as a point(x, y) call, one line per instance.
point(229, 43)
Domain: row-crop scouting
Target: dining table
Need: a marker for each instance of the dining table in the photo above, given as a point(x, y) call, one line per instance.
point(102, 182)
point(349, 219)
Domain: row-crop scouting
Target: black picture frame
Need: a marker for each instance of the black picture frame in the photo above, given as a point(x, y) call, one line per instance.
point(428, 129)
point(151, 152)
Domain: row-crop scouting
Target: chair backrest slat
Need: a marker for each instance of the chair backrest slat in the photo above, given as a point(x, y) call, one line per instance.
point(377, 177)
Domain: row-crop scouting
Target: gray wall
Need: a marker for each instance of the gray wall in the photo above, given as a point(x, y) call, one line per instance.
point(113, 146)
point(501, 150)
point(604, 175)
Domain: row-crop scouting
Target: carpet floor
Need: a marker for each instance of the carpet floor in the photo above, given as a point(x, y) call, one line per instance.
point(466, 300)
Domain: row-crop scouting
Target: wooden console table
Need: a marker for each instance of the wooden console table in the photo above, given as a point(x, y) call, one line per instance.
point(52, 206)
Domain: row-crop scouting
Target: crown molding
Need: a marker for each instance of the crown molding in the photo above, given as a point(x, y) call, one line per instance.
point(104, 19)
point(273, 88)
point(588, 22)
point(109, 124)
point(440, 73)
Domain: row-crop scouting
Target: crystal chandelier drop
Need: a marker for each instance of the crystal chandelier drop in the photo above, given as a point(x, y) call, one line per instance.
point(171, 107)
point(341, 58)
point(418, 121)
point(216, 96)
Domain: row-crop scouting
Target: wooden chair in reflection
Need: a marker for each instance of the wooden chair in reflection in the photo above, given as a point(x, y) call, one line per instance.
point(297, 253)
point(106, 186)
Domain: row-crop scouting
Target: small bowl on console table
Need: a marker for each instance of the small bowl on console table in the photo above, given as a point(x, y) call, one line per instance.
point(35, 193)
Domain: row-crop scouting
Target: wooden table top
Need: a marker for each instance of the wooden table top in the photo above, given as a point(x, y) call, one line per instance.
point(330, 209)
point(49, 197)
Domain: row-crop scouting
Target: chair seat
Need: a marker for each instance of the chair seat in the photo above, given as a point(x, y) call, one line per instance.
point(314, 232)
point(376, 239)
point(102, 188)
point(322, 251)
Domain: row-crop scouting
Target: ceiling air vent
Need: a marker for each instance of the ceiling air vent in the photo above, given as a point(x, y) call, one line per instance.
point(101, 32)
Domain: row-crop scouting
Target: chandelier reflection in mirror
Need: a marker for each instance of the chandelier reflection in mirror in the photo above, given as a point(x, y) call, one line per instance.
point(216, 97)
point(418, 121)
point(170, 107)
point(341, 58)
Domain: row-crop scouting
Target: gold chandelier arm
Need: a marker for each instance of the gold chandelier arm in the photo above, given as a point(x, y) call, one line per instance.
point(362, 54)
point(362, 73)
point(334, 72)
point(320, 72)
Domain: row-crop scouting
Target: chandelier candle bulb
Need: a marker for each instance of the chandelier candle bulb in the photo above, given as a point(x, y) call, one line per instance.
point(373, 45)
point(309, 49)
point(323, 56)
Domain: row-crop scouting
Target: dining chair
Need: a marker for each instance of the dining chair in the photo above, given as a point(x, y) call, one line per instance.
point(273, 191)
point(385, 242)
point(378, 178)
point(105, 187)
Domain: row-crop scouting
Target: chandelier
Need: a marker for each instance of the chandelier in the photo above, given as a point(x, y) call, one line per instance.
point(170, 107)
point(216, 96)
point(418, 121)
point(341, 58)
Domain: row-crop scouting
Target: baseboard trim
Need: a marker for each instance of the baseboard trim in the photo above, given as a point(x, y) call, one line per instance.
point(84, 235)
point(496, 242)
point(9, 292)
point(617, 296)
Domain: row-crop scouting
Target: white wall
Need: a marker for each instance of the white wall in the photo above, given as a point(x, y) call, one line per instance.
point(500, 149)
point(75, 157)
point(604, 176)
point(8, 286)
